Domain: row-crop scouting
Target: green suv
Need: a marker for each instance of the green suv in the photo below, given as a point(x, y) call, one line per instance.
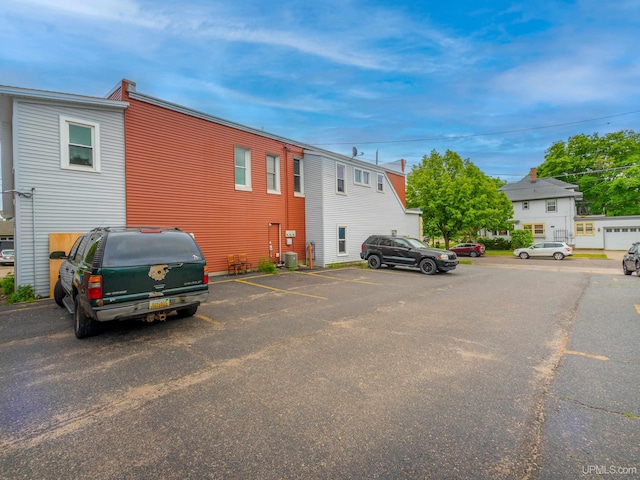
point(119, 273)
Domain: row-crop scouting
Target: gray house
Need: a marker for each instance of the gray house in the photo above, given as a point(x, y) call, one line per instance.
point(62, 171)
point(544, 206)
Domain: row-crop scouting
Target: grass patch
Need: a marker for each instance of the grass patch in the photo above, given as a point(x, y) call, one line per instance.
point(266, 266)
point(499, 253)
point(590, 255)
point(464, 261)
point(347, 264)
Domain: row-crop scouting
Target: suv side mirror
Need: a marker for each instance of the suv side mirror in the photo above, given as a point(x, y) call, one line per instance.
point(57, 255)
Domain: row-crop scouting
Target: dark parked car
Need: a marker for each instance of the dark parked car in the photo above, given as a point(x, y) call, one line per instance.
point(120, 273)
point(471, 249)
point(395, 251)
point(631, 260)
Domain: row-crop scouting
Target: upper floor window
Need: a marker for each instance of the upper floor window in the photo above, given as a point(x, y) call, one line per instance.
point(525, 204)
point(273, 174)
point(242, 160)
point(361, 177)
point(79, 143)
point(380, 182)
point(298, 178)
point(341, 174)
point(551, 205)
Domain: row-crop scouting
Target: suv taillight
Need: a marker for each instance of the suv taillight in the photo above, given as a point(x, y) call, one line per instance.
point(94, 288)
point(205, 280)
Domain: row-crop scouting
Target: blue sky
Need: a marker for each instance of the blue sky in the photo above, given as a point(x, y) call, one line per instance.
point(497, 82)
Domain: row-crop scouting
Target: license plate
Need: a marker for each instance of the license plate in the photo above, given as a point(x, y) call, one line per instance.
point(159, 303)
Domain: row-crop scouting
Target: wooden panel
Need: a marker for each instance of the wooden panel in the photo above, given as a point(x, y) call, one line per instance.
point(59, 241)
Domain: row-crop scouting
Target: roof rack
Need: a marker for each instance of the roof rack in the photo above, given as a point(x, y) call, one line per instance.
point(134, 227)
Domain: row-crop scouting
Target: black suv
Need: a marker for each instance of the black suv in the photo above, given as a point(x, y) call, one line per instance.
point(405, 251)
point(631, 260)
point(119, 273)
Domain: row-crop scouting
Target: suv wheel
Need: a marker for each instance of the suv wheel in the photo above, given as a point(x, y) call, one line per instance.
point(524, 255)
point(374, 261)
point(473, 253)
point(428, 266)
point(558, 256)
point(83, 326)
point(625, 270)
point(187, 312)
point(58, 293)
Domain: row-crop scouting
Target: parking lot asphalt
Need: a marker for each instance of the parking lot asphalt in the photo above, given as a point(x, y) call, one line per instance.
point(336, 373)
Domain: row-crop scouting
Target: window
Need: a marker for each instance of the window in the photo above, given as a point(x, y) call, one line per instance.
point(242, 159)
point(551, 205)
point(341, 171)
point(342, 240)
point(537, 229)
point(80, 148)
point(273, 174)
point(298, 183)
point(585, 228)
point(361, 177)
point(525, 204)
point(380, 183)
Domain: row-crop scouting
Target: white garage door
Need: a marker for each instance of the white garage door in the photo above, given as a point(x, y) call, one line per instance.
point(620, 238)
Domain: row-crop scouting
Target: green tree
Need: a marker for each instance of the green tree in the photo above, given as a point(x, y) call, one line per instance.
point(456, 198)
point(606, 170)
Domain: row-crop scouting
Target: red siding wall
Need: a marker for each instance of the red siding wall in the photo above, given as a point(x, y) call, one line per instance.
point(180, 172)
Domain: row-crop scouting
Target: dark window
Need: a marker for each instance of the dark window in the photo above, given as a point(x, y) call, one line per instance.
point(133, 248)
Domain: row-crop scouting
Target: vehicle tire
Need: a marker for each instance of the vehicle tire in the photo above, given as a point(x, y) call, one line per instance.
point(58, 293)
point(558, 256)
point(625, 270)
point(84, 326)
point(187, 312)
point(374, 261)
point(524, 255)
point(428, 266)
point(473, 254)
point(638, 268)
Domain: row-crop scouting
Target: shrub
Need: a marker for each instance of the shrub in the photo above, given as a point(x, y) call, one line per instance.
point(521, 238)
point(266, 266)
point(8, 284)
point(496, 243)
point(24, 293)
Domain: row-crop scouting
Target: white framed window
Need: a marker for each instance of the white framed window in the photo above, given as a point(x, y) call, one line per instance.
point(361, 177)
point(342, 240)
point(380, 183)
point(242, 161)
point(79, 144)
point(341, 176)
point(298, 177)
point(273, 173)
point(525, 204)
point(551, 205)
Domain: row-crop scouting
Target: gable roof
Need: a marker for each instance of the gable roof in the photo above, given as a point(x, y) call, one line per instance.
point(539, 189)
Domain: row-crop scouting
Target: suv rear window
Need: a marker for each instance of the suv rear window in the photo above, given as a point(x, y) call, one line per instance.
point(134, 248)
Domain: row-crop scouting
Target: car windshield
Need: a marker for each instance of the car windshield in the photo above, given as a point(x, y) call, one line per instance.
point(133, 248)
point(416, 243)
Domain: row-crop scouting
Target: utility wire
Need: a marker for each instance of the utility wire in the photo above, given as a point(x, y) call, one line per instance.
point(457, 137)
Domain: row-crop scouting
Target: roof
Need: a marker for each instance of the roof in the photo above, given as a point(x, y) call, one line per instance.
point(541, 189)
point(29, 93)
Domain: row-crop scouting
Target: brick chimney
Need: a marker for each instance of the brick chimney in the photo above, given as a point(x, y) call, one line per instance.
point(533, 173)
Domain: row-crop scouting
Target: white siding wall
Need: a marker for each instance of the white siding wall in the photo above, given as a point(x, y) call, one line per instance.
point(63, 200)
point(362, 210)
point(610, 233)
point(562, 219)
